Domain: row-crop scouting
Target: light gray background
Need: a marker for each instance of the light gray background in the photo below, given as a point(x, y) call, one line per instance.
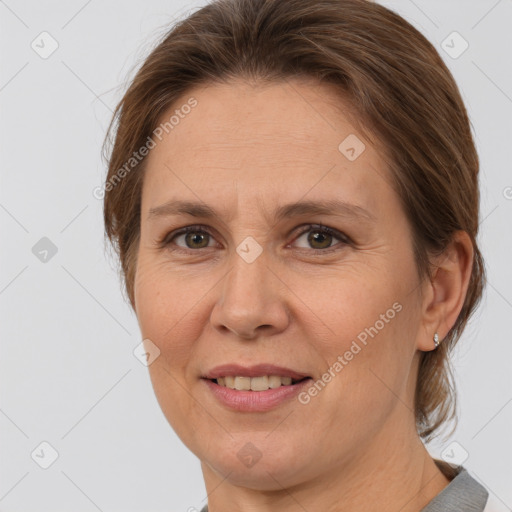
point(68, 373)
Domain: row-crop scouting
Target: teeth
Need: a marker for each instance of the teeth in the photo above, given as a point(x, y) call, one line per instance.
point(260, 383)
point(243, 383)
point(274, 381)
point(255, 383)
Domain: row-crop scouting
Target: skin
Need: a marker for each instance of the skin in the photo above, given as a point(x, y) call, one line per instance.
point(246, 149)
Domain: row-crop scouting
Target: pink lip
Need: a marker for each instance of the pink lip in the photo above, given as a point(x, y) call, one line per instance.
point(255, 401)
point(258, 370)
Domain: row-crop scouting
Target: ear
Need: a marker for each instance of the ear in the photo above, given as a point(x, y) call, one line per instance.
point(444, 294)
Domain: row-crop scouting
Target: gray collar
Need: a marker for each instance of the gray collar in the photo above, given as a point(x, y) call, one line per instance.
point(462, 494)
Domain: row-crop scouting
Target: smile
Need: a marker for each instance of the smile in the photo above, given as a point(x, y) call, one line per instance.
point(261, 383)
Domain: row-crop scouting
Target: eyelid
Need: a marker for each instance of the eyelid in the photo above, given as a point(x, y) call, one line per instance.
point(322, 227)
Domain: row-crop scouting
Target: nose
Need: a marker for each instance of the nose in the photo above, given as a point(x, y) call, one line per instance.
point(251, 301)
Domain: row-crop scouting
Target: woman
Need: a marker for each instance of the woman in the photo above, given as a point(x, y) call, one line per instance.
point(320, 156)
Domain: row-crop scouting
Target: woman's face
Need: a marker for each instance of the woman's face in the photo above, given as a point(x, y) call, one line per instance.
point(249, 286)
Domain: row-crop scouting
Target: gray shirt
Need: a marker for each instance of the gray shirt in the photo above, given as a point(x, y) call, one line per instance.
point(462, 494)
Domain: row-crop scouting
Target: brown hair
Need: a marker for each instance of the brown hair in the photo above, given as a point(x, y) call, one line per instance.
point(394, 79)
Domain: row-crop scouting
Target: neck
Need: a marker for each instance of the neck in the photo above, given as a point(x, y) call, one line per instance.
point(393, 472)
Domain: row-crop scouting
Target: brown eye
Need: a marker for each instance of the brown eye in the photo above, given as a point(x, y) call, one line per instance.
point(195, 237)
point(320, 238)
point(323, 240)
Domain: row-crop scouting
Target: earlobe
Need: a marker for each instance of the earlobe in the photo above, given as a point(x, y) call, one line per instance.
point(447, 290)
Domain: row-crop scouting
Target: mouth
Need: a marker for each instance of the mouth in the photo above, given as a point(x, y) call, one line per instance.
point(256, 389)
point(258, 378)
point(259, 383)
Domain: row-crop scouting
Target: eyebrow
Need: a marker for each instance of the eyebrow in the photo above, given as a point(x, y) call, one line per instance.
point(335, 207)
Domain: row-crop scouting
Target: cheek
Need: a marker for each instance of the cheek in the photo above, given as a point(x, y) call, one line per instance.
point(168, 305)
point(373, 319)
point(155, 314)
point(359, 301)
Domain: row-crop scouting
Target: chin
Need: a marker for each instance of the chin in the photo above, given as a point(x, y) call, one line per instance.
point(268, 469)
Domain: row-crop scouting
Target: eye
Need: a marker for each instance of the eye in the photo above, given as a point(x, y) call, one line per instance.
point(320, 238)
point(194, 237)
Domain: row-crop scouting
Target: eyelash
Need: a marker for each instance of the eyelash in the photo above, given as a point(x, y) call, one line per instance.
point(167, 240)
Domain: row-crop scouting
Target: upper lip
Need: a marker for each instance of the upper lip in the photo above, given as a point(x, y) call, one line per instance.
point(236, 370)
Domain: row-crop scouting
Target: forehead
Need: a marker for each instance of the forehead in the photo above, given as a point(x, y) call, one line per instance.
point(281, 139)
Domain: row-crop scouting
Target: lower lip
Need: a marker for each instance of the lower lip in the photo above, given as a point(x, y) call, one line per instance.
point(255, 401)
